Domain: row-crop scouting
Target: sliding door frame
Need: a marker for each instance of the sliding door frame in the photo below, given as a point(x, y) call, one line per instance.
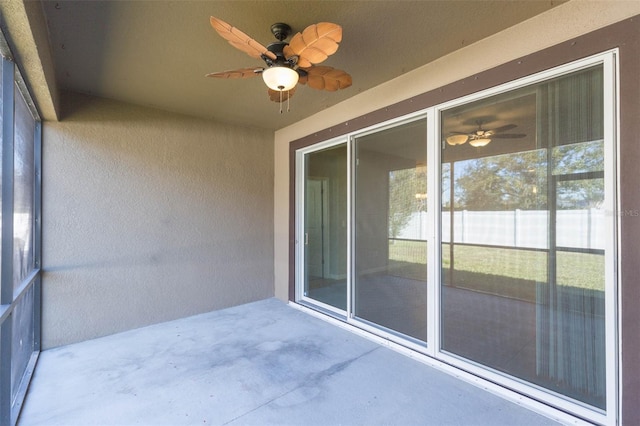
point(300, 189)
point(506, 385)
point(608, 60)
point(379, 330)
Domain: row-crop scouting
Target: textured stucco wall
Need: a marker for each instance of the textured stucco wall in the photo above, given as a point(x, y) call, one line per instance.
point(150, 216)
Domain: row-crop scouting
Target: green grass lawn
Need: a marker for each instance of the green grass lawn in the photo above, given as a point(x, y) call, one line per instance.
point(508, 272)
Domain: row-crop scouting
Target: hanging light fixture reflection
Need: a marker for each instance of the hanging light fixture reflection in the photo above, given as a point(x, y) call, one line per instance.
point(479, 142)
point(457, 139)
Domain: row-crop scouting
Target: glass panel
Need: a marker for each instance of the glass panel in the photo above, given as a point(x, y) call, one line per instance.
point(325, 225)
point(523, 235)
point(24, 175)
point(23, 341)
point(390, 229)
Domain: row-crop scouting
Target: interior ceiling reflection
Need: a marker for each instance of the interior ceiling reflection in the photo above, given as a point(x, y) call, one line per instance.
point(519, 110)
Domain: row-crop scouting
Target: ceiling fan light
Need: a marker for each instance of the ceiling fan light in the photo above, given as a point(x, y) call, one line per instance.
point(479, 142)
point(457, 139)
point(280, 78)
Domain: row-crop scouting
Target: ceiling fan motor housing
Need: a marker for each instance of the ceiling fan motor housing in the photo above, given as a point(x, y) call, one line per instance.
point(277, 49)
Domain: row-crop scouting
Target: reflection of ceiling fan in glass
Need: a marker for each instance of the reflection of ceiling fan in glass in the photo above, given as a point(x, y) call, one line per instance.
point(482, 137)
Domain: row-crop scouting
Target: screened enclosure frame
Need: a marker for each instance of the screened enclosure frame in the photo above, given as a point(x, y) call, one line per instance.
point(433, 348)
point(22, 291)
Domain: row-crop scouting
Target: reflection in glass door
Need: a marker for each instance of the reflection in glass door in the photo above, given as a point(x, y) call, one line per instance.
point(325, 227)
point(390, 278)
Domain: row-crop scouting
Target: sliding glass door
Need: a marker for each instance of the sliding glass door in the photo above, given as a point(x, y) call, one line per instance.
point(390, 217)
point(510, 194)
point(325, 227)
point(523, 244)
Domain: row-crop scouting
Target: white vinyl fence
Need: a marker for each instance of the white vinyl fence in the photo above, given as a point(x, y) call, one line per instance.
point(518, 228)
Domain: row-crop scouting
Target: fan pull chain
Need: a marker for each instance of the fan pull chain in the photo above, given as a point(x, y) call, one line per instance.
point(288, 97)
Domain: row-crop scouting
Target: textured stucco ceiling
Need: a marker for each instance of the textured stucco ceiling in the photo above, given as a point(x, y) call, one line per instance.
point(156, 53)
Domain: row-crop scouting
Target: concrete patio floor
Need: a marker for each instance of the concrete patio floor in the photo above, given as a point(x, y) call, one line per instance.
point(261, 363)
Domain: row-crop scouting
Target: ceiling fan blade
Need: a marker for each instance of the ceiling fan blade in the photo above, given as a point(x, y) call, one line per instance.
point(503, 128)
point(240, 73)
point(327, 78)
point(240, 40)
point(508, 136)
point(314, 44)
point(462, 133)
point(274, 95)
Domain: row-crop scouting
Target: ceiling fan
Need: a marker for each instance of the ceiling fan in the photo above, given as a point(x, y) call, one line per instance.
point(482, 137)
point(288, 64)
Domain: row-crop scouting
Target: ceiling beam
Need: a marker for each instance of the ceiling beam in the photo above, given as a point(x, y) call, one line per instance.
point(24, 25)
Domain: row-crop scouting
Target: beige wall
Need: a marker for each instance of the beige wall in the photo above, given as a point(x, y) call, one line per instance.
point(150, 216)
point(561, 23)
